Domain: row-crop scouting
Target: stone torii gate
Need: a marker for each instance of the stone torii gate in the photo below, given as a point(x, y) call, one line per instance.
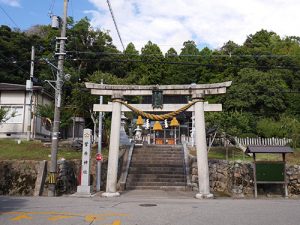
point(196, 91)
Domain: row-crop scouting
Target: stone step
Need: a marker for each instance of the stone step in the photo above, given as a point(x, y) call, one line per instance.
point(147, 180)
point(158, 162)
point(150, 184)
point(157, 157)
point(159, 150)
point(158, 165)
point(169, 188)
point(157, 154)
point(150, 160)
point(158, 147)
point(156, 170)
point(161, 175)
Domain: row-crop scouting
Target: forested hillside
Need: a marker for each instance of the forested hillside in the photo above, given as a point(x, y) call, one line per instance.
point(264, 98)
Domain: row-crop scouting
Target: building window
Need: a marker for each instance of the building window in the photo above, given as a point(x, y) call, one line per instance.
point(14, 114)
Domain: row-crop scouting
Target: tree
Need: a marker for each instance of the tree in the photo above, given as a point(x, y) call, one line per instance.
point(172, 74)
point(189, 48)
point(257, 92)
point(86, 45)
point(3, 115)
point(232, 123)
point(151, 70)
point(46, 112)
point(291, 128)
point(188, 56)
point(15, 48)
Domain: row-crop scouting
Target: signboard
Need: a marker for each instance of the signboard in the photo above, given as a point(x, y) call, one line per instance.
point(99, 157)
point(85, 187)
point(157, 99)
point(270, 171)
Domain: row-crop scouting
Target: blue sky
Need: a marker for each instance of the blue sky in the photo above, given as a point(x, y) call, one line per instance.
point(167, 23)
point(26, 13)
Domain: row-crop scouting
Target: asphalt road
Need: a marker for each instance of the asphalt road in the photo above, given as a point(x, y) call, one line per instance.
point(148, 208)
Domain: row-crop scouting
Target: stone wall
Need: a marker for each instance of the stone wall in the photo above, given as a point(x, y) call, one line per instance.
point(293, 174)
point(17, 177)
point(235, 179)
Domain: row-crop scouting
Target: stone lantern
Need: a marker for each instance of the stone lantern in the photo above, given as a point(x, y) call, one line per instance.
point(174, 123)
point(138, 131)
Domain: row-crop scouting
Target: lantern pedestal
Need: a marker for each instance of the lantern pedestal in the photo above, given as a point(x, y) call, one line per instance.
point(138, 136)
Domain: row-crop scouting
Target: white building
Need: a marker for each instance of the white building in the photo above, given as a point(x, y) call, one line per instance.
point(15, 98)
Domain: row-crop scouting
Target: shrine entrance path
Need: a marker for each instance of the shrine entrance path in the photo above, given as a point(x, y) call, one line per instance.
point(147, 208)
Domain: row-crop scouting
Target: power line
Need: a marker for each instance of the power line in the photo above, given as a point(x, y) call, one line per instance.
point(112, 15)
point(74, 37)
point(19, 67)
point(185, 55)
point(50, 11)
point(229, 65)
point(9, 17)
point(187, 63)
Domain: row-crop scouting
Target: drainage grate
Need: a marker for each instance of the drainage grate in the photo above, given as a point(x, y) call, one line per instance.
point(147, 205)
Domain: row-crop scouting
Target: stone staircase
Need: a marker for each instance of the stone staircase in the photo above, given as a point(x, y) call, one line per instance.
point(157, 167)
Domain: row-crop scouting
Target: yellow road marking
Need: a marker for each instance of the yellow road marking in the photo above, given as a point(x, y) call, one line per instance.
point(93, 217)
point(116, 222)
point(42, 213)
point(55, 218)
point(22, 217)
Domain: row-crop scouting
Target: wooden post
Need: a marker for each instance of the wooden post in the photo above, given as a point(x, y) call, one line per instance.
point(254, 175)
point(285, 180)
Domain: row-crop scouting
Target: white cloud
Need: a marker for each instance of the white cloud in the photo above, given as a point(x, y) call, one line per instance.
point(171, 22)
point(13, 3)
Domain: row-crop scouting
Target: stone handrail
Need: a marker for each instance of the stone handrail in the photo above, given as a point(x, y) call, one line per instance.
point(186, 164)
point(125, 167)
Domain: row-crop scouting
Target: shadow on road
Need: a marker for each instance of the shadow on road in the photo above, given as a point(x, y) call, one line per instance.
point(8, 204)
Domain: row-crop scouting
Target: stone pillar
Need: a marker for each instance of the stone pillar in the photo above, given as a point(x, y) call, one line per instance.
point(113, 155)
point(85, 188)
point(201, 147)
point(193, 130)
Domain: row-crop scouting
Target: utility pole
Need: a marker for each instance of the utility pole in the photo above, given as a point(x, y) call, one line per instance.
point(29, 87)
point(98, 174)
point(58, 93)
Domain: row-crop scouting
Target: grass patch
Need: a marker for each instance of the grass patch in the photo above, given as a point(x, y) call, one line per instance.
point(230, 154)
point(32, 150)
point(233, 154)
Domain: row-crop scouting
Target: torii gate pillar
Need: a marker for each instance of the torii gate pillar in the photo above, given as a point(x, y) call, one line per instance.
point(201, 149)
point(113, 155)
